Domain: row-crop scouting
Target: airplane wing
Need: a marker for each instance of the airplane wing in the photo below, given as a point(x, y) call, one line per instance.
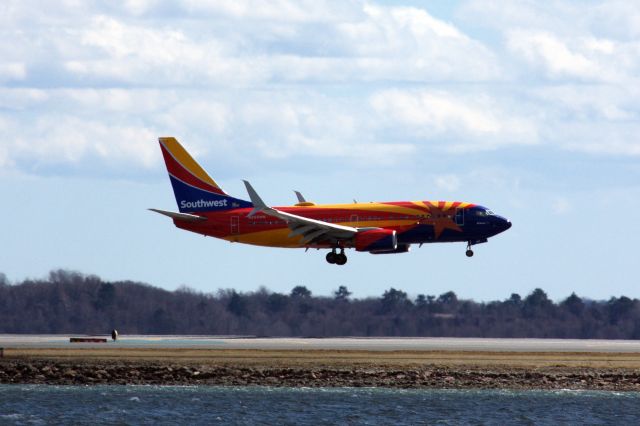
point(311, 230)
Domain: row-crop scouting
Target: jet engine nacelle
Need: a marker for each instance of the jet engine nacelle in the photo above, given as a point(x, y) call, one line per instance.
point(376, 240)
point(402, 248)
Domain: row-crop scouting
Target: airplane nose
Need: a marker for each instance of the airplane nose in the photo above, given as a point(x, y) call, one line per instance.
point(502, 224)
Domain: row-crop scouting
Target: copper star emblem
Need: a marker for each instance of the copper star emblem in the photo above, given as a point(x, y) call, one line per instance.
point(441, 219)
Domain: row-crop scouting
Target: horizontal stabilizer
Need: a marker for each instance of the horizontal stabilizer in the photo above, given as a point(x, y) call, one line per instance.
point(180, 216)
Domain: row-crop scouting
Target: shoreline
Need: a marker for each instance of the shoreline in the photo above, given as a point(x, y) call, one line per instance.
point(400, 369)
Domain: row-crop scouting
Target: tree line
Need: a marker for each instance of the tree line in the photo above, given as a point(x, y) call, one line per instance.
point(70, 302)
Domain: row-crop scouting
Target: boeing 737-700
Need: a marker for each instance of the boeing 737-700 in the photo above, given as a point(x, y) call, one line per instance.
point(377, 228)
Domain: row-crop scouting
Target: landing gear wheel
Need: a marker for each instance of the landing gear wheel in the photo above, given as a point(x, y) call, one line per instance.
point(469, 253)
point(341, 259)
point(332, 257)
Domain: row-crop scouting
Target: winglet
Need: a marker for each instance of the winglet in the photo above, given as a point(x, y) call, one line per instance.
point(258, 204)
point(300, 197)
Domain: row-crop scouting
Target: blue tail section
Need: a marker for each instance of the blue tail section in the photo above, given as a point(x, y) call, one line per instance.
point(191, 199)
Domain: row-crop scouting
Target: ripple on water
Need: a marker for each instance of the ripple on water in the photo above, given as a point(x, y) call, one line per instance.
point(37, 404)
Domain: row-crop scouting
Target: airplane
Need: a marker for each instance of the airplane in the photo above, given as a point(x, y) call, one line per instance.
point(373, 227)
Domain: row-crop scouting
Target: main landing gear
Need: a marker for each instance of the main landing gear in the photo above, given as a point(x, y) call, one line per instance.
point(469, 252)
point(337, 258)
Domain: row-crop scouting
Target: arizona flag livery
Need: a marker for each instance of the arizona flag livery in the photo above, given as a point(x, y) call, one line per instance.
point(378, 228)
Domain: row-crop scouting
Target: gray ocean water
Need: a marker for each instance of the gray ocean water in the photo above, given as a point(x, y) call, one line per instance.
point(37, 404)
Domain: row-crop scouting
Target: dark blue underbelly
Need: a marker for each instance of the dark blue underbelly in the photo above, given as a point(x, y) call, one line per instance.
point(426, 234)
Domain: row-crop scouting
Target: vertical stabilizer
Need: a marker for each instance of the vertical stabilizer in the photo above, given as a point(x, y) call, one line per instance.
point(194, 189)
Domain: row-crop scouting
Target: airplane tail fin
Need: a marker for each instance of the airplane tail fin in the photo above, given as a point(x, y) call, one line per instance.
point(194, 189)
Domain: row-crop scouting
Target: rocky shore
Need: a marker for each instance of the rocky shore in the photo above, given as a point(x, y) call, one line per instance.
point(145, 372)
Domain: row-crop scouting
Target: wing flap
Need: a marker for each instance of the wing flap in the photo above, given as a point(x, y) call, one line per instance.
point(297, 229)
point(313, 235)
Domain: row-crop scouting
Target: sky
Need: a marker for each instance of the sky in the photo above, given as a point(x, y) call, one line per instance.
point(530, 108)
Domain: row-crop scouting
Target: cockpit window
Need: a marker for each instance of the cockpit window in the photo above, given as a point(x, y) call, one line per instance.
point(481, 213)
point(490, 213)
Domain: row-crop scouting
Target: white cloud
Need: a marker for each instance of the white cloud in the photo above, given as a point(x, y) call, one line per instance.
point(605, 140)
point(240, 44)
point(317, 127)
point(137, 54)
point(197, 113)
point(447, 182)
point(140, 7)
point(301, 11)
point(554, 55)
point(118, 126)
point(578, 67)
point(600, 45)
point(469, 122)
point(66, 139)
point(598, 119)
point(435, 112)
point(561, 206)
point(342, 81)
point(594, 103)
point(21, 99)
point(4, 147)
point(616, 18)
point(411, 44)
point(585, 58)
point(12, 71)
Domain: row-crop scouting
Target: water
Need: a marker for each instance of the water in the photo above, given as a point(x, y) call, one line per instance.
point(37, 404)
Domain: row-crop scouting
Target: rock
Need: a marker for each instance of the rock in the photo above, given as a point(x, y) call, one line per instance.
point(28, 368)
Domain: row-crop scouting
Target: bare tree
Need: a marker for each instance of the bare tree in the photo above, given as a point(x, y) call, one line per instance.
point(70, 302)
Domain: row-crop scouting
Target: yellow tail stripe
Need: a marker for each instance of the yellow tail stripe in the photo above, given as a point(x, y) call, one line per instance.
point(187, 161)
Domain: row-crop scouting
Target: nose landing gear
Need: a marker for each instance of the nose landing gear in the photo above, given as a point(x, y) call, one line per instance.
point(337, 258)
point(470, 243)
point(469, 252)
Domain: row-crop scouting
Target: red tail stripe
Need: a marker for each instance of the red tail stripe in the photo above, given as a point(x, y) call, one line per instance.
point(177, 170)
